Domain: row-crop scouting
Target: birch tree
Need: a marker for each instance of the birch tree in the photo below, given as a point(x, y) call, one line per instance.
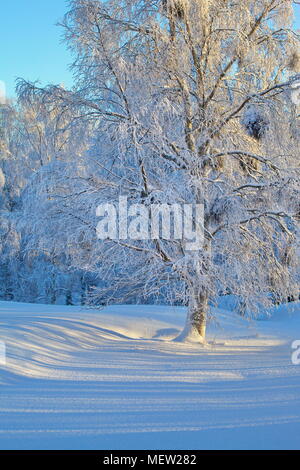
point(189, 102)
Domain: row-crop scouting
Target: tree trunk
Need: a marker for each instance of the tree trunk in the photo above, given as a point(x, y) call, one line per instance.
point(195, 328)
point(197, 314)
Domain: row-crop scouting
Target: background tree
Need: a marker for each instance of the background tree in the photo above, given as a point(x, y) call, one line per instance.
point(34, 138)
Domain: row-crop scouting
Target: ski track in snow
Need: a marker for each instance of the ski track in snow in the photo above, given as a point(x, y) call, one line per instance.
point(113, 379)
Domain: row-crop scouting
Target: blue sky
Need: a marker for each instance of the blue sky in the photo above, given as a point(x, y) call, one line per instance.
point(31, 45)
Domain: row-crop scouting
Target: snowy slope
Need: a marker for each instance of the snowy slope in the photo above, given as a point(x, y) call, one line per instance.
point(113, 379)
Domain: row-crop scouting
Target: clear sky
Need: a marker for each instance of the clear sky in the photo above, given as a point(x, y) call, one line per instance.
point(31, 45)
point(30, 41)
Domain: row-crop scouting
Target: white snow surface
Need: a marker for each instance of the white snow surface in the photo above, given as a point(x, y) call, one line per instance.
point(113, 379)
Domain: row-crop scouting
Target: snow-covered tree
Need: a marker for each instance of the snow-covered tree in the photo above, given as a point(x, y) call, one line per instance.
point(33, 137)
point(188, 100)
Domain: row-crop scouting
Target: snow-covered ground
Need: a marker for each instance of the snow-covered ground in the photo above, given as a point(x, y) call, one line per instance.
point(113, 379)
